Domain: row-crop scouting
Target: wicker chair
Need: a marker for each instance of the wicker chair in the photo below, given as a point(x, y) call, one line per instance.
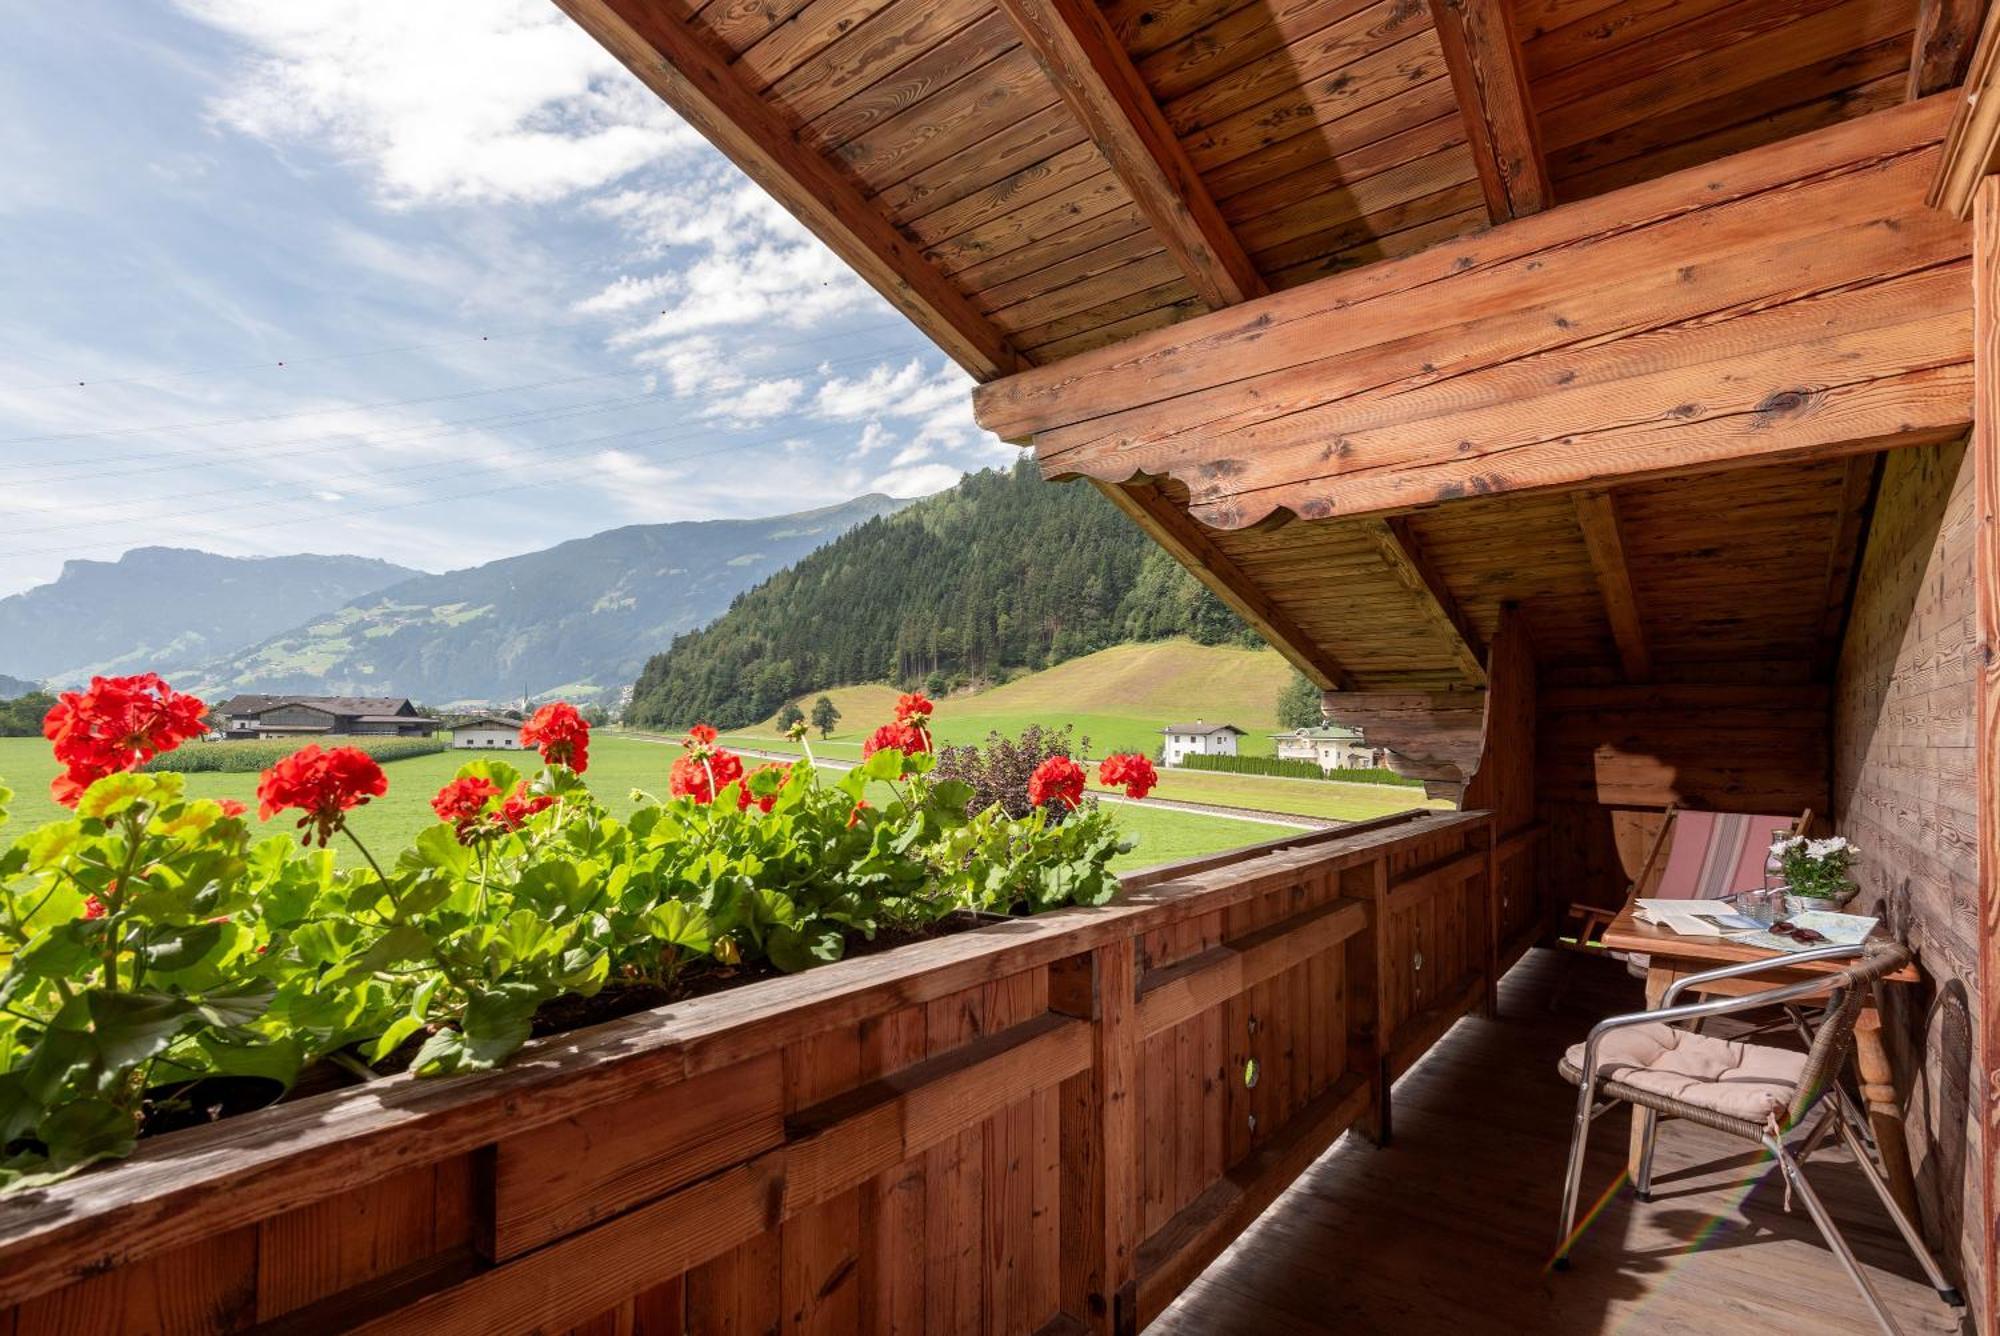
point(1753, 1091)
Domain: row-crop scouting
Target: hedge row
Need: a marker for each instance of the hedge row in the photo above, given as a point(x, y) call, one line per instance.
point(1291, 768)
point(248, 754)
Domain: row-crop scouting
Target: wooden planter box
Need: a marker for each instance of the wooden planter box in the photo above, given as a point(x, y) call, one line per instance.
point(1046, 1124)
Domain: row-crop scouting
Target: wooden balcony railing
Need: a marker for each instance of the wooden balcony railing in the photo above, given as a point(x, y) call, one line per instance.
point(1047, 1124)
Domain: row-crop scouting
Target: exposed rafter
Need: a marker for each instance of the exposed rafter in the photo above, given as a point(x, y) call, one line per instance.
point(1597, 516)
point(1169, 526)
point(1972, 144)
point(1405, 557)
point(1857, 491)
point(1941, 49)
point(688, 74)
point(1484, 57)
point(1076, 45)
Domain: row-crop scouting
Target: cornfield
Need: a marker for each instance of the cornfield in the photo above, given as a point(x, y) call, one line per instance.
point(262, 753)
point(1290, 768)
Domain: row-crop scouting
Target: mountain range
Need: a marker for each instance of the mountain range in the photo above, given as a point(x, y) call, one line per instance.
point(577, 619)
point(170, 609)
point(1000, 573)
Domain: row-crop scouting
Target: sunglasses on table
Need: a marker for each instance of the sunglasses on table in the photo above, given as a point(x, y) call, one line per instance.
point(1786, 928)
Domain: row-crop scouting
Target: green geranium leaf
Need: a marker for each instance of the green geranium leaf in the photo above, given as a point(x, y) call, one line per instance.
point(437, 846)
point(680, 926)
point(793, 950)
point(392, 1038)
point(240, 1055)
point(236, 1004)
point(130, 1027)
point(84, 1131)
point(62, 950)
point(19, 1110)
point(172, 947)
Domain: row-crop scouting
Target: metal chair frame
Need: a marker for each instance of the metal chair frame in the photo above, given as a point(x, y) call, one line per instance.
point(1828, 1049)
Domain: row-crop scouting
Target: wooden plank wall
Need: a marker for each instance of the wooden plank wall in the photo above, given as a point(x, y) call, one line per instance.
point(1016, 1138)
point(1904, 790)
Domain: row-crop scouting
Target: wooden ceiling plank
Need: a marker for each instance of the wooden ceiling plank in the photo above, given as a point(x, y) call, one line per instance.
point(1404, 554)
point(1941, 48)
point(695, 80)
point(1484, 58)
point(1972, 143)
point(1075, 43)
point(1169, 526)
point(1597, 516)
point(1851, 520)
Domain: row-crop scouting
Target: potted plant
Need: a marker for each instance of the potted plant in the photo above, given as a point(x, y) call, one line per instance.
point(1815, 873)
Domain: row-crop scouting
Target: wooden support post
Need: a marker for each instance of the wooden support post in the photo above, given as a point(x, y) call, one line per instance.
point(1941, 48)
point(1100, 1141)
point(1492, 900)
point(1986, 580)
point(1597, 515)
point(1367, 993)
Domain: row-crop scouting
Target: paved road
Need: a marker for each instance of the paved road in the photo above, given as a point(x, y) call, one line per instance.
point(1287, 820)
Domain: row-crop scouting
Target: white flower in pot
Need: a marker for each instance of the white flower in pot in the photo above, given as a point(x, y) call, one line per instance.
point(1816, 873)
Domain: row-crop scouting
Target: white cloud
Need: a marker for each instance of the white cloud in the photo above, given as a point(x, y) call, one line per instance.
point(762, 401)
point(626, 292)
point(456, 101)
point(919, 481)
point(906, 391)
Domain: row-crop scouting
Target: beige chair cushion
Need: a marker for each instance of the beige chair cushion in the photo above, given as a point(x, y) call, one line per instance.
point(1746, 1081)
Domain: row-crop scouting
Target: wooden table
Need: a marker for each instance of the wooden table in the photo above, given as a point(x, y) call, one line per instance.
point(1674, 956)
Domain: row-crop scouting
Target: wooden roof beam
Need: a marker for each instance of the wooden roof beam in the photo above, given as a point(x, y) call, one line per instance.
point(1941, 48)
point(1188, 543)
point(1857, 492)
point(1597, 516)
point(1405, 557)
point(685, 70)
point(1972, 143)
point(1484, 57)
point(1095, 76)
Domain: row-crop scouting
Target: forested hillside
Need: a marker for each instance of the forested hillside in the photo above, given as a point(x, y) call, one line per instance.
point(1001, 572)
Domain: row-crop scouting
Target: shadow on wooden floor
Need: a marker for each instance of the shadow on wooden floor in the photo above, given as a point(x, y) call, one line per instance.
point(1450, 1227)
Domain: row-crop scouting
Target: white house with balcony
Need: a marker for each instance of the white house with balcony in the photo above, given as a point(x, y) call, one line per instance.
point(1198, 739)
point(487, 732)
point(1331, 748)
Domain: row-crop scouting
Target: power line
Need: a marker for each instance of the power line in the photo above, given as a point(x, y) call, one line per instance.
point(70, 549)
point(76, 470)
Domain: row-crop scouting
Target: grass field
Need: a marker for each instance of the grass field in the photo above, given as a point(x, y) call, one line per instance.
point(617, 766)
point(1119, 698)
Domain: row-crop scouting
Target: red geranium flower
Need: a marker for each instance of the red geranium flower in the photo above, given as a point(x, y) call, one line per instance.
point(905, 738)
point(325, 785)
point(463, 800)
point(230, 807)
point(744, 798)
point(514, 813)
point(1134, 772)
point(561, 735)
point(701, 776)
point(119, 723)
point(854, 815)
point(912, 706)
point(1057, 778)
point(701, 735)
point(93, 908)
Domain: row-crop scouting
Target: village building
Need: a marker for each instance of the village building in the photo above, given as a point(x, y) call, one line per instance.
point(487, 732)
point(1198, 739)
point(266, 716)
point(1332, 747)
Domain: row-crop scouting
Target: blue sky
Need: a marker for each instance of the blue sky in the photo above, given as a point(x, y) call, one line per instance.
point(514, 298)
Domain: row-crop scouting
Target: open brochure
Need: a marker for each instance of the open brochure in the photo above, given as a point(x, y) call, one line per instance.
point(1837, 929)
point(1694, 918)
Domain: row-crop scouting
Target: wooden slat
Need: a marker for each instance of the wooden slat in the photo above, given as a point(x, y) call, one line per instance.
point(833, 1146)
point(1179, 992)
point(1404, 554)
point(1168, 526)
point(1484, 58)
point(690, 76)
point(1096, 79)
point(1597, 516)
point(1972, 143)
point(1986, 576)
point(1941, 50)
point(1177, 1253)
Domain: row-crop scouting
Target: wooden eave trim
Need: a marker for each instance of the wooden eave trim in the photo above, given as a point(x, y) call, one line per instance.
point(1093, 73)
point(1483, 55)
point(1188, 543)
point(1597, 516)
point(683, 68)
point(1406, 559)
point(1972, 143)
